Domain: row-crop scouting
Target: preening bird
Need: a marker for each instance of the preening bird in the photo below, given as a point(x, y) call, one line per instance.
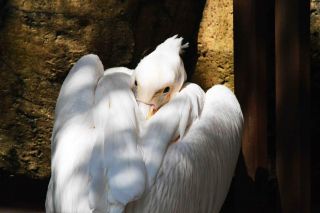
point(107, 157)
point(194, 172)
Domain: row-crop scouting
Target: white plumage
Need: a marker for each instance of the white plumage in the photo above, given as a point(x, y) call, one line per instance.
point(107, 158)
point(96, 164)
point(196, 171)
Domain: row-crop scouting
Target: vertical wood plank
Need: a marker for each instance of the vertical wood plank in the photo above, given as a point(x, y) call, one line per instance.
point(254, 69)
point(250, 57)
point(292, 104)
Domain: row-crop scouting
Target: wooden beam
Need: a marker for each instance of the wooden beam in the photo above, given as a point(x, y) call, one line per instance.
point(252, 38)
point(292, 104)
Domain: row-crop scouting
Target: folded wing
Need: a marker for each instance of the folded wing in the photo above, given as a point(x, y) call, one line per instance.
point(117, 169)
point(73, 138)
point(197, 170)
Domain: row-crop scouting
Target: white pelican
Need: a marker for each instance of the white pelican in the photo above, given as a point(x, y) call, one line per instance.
point(107, 158)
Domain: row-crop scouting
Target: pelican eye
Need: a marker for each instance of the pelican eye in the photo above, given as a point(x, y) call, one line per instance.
point(166, 90)
point(135, 83)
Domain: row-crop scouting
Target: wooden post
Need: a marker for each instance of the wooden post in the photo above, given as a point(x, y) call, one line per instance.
point(252, 48)
point(254, 87)
point(292, 104)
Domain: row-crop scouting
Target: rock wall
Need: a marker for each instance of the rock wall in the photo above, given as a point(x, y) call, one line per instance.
point(39, 42)
point(215, 45)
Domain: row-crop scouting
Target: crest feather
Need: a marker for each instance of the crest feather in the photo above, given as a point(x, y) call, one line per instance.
point(173, 43)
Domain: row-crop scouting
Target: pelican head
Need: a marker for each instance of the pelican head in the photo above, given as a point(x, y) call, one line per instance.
point(160, 75)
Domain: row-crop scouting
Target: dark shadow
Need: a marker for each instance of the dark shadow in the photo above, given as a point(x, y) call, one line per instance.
point(251, 196)
point(124, 40)
point(315, 106)
point(4, 5)
point(155, 21)
point(20, 191)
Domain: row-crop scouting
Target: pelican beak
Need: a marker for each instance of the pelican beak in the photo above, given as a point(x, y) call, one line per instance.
point(151, 112)
point(147, 110)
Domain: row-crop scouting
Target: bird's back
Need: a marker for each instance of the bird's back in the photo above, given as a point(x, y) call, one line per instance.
point(197, 171)
point(73, 138)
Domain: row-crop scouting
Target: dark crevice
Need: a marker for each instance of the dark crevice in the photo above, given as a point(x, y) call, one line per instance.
point(20, 191)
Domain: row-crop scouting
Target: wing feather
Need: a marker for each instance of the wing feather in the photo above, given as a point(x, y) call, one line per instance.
point(117, 171)
point(197, 170)
point(73, 137)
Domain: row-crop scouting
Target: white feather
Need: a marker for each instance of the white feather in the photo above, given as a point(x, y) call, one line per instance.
point(73, 138)
point(171, 121)
point(196, 171)
point(122, 172)
point(96, 163)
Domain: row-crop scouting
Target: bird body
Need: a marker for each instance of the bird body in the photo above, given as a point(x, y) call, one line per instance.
point(171, 121)
point(73, 138)
point(107, 157)
point(116, 162)
point(96, 165)
point(197, 170)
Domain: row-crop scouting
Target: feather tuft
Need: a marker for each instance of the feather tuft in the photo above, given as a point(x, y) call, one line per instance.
point(173, 43)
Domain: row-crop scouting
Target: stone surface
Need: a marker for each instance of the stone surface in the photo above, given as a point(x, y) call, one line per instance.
point(39, 42)
point(215, 45)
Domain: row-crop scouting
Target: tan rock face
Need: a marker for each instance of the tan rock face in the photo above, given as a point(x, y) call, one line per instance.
point(39, 42)
point(215, 45)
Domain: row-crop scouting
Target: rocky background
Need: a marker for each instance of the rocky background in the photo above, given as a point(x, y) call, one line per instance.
point(215, 45)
